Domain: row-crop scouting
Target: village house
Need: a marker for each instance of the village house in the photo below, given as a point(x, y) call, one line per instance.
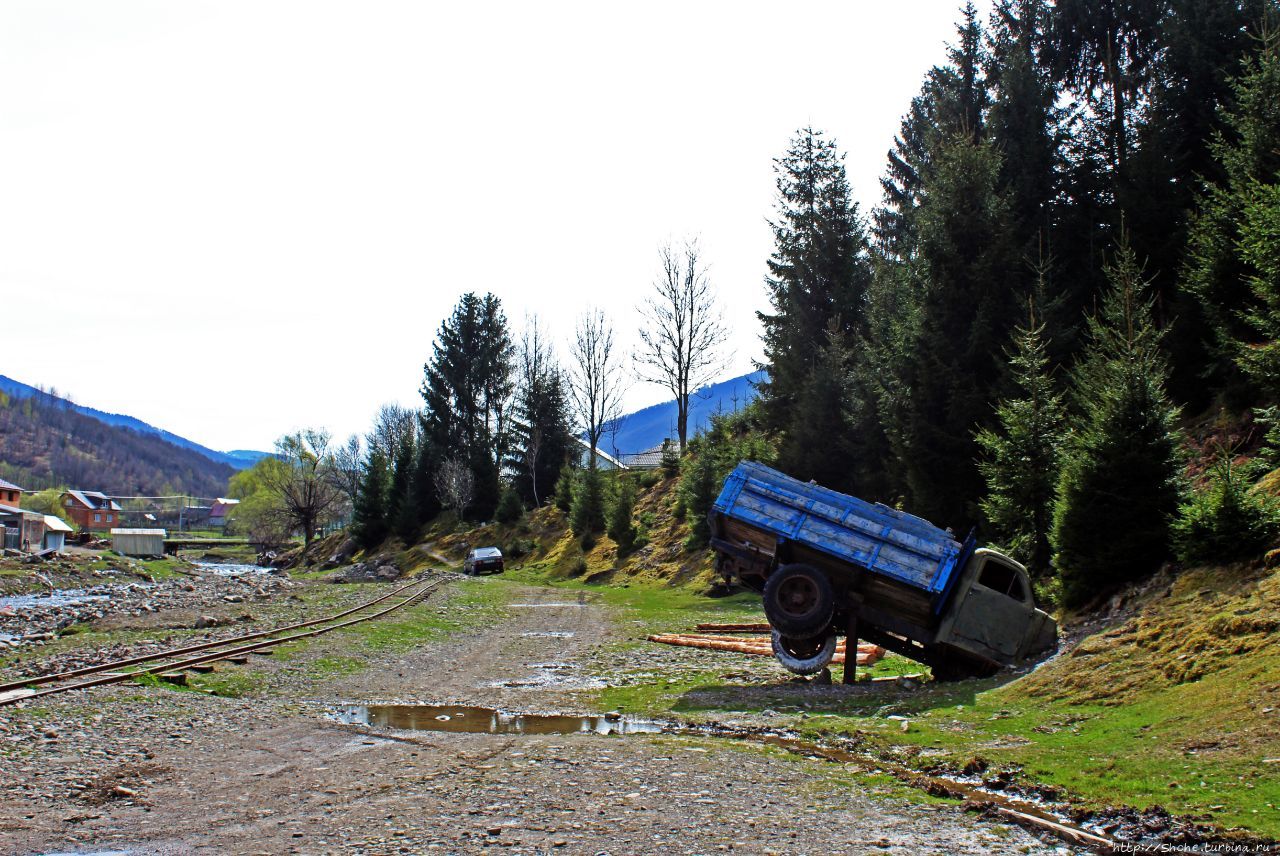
point(220, 511)
point(10, 494)
point(23, 530)
point(90, 510)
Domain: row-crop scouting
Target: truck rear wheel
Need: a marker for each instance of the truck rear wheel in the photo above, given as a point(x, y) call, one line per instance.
point(798, 600)
point(804, 656)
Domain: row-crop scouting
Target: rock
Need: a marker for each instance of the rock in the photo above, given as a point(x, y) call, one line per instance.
point(208, 621)
point(233, 598)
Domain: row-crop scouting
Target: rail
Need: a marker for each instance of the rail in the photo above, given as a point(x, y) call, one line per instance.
point(12, 692)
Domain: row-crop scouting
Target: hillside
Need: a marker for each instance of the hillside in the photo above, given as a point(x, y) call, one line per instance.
point(238, 459)
point(646, 429)
point(47, 443)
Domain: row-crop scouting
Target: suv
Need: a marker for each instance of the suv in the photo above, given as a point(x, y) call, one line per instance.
point(483, 560)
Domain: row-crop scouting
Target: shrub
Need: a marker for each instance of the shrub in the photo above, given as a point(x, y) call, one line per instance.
point(670, 458)
point(564, 489)
point(1225, 521)
point(698, 487)
point(621, 528)
point(510, 508)
point(586, 514)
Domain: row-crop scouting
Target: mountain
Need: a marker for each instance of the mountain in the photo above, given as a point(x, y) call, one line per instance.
point(646, 429)
point(239, 459)
point(47, 442)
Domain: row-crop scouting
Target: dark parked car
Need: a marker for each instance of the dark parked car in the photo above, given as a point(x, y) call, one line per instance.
point(483, 560)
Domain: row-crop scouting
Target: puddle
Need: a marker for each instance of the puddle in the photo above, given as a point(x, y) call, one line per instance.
point(486, 720)
point(549, 634)
point(231, 569)
point(65, 597)
point(558, 675)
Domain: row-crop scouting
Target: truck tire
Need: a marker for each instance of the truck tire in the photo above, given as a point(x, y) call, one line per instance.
point(804, 656)
point(798, 600)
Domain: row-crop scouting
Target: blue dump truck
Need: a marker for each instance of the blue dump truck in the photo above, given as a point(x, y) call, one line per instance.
point(828, 564)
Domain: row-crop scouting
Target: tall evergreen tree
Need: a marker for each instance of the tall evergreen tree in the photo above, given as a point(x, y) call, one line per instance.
point(402, 514)
point(1218, 272)
point(1023, 123)
point(966, 307)
point(467, 390)
point(369, 517)
point(1119, 486)
point(1021, 458)
point(819, 272)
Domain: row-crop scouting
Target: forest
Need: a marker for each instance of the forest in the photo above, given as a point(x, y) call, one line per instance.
point(48, 444)
point(1059, 326)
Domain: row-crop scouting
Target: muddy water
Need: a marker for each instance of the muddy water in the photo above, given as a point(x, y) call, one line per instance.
point(486, 720)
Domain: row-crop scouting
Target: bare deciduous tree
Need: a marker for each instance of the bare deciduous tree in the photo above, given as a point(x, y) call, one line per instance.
point(304, 485)
point(456, 485)
point(595, 377)
point(683, 330)
point(389, 427)
point(348, 467)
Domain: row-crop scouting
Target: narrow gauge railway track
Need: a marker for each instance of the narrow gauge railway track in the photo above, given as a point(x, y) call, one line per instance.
point(176, 659)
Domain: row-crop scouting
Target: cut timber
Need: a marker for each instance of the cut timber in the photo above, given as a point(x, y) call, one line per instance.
point(175, 678)
point(238, 659)
point(263, 652)
point(762, 627)
point(202, 668)
point(1067, 833)
point(867, 654)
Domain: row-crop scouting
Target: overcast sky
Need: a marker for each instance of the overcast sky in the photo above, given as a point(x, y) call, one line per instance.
point(234, 219)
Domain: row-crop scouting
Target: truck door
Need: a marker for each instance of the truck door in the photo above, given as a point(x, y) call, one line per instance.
point(996, 608)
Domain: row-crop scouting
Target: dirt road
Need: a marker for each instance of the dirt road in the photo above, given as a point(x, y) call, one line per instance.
point(162, 772)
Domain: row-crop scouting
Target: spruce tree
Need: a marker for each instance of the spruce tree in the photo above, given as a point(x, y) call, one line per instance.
point(819, 273)
point(965, 309)
point(402, 514)
point(1119, 486)
point(698, 489)
point(467, 389)
point(621, 527)
point(586, 514)
point(1222, 271)
point(510, 508)
point(565, 488)
point(1022, 457)
point(369, 516)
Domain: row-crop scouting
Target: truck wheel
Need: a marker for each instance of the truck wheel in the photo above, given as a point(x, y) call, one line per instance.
point(804, 656)
point(798, 600)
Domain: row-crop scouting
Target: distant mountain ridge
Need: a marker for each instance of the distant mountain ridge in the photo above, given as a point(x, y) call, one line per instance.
point(238, 459)
point(646, 429)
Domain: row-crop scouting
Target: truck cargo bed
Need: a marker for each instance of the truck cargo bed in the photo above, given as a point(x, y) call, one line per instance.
point(878, 539)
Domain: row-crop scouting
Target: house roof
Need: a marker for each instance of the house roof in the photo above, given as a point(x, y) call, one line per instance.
point(55, 524)
point(8, 485)
point(9, 509)
point(95, 500)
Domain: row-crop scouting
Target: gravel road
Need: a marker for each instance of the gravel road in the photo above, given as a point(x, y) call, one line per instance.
point(152, 771)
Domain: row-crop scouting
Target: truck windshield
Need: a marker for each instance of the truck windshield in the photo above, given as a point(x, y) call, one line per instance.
point(1003, 579)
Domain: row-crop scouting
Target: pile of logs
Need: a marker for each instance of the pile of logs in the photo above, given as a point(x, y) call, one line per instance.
point(710, 637)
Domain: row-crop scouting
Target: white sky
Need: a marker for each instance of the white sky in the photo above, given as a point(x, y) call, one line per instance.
point(234, 219)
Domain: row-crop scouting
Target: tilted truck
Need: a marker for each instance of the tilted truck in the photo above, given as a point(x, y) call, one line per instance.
point(827, 564)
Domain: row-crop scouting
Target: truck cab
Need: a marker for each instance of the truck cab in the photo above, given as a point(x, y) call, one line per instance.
point(992, 613)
